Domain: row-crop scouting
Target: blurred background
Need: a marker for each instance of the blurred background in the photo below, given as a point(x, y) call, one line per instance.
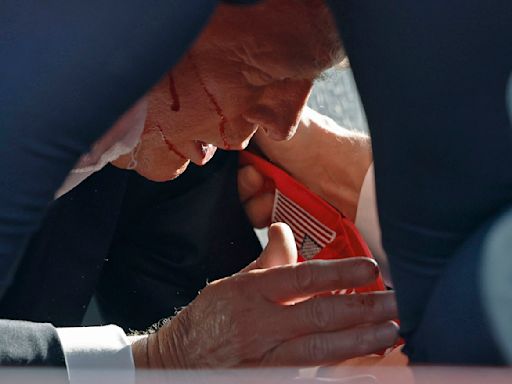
point(335, 95)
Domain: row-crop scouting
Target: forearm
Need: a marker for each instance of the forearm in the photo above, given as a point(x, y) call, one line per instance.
point(66, 84)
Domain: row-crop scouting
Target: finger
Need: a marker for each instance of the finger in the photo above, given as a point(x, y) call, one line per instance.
point(259, 209)
point(331, 347)
point(333, 313)
point(283, 284)
point(250, 182)
point(280, 250)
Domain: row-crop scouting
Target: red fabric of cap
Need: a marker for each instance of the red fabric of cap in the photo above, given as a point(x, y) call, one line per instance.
point(320, 231)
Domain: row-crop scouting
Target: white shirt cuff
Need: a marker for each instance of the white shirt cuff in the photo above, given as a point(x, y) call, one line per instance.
point(89, 350)
point(367, 221)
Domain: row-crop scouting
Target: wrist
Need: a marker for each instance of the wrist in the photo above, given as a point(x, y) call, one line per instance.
point(147, 353)
point(140, 354)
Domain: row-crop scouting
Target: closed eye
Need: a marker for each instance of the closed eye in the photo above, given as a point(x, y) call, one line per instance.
point(256, 77)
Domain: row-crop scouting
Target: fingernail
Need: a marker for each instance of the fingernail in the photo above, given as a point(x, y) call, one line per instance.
point(361, 273)
point(376, 269)
point(387, 333)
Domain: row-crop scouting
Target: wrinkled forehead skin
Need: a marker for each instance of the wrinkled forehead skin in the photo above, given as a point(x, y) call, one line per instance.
point(292, 37)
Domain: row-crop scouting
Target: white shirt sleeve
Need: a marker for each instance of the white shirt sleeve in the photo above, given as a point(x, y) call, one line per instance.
point(367, 221)
point(89, 350)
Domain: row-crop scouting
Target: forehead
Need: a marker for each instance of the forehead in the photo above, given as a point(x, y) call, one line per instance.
point(282, 40)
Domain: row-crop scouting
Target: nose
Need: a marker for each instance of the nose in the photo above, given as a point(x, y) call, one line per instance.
point(279, 108)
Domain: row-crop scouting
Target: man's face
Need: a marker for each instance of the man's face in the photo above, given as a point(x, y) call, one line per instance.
point(252, 68)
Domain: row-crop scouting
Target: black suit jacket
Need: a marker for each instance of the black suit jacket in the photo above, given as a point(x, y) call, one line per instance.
point(144, 248)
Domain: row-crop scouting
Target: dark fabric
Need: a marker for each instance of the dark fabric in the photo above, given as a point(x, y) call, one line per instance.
point(432, 77)
point(60, 268)
point(241, 1)
point(155, 243)
point(171, 239)
point(25, 343)
point(455, 327)
point(68, 70)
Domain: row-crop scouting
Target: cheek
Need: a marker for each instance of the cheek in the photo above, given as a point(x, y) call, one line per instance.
point(214, 114)
point(206, 104)
point(193, 117)
point(236, 96)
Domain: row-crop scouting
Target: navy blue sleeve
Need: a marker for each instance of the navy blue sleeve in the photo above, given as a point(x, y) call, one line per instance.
point(67, 71)
point(456, 326)
point(25, 343)
point(432, 77)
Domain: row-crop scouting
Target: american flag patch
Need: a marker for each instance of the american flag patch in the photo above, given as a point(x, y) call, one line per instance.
point(311, 236)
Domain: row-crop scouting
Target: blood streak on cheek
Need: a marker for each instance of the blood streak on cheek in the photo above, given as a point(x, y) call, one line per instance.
point(169, 145)
point(218, 109)
point(175, 106)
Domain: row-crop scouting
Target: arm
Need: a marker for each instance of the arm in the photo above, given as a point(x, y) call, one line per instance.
point(64, 84)
point(26, 343)
point(440, 173)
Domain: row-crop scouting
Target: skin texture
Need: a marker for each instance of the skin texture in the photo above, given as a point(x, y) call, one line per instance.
point(330, 160)
point(271, 315)
point(260, 79)
point(257, 71)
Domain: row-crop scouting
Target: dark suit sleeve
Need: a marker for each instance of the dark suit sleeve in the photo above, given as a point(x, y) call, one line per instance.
point(68, 70)
point(432, 77)
point(25, 343)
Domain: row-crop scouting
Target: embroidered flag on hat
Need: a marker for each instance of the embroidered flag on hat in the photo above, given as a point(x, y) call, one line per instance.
point(320, 231)
point(311, 236)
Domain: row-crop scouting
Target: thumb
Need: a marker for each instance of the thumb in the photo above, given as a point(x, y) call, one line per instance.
point(280, 250)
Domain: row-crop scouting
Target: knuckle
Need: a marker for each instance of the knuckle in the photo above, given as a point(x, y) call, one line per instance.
point(364, 307)
point(320, 315)
point(317, 348)
point(361, 341)
point(235, 285)
point(304, 278)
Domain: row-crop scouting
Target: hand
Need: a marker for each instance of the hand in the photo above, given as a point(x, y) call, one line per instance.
point(328, 159)
point(247, 319)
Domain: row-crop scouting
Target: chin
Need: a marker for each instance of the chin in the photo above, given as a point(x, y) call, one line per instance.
point(239, 146)
point(163, 174)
